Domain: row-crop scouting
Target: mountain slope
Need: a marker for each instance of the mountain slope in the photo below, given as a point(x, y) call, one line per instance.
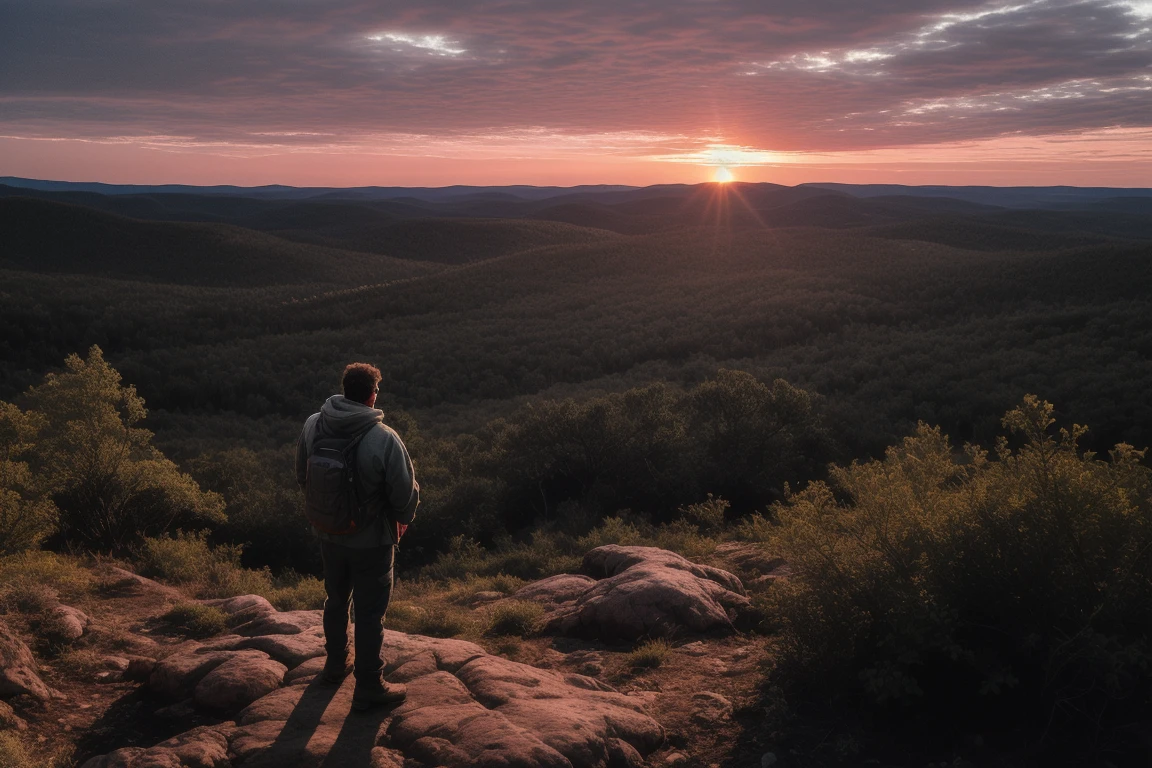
point(41, 236)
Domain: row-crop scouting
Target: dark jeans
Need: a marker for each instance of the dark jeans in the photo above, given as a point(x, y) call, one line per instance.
point(363, 577)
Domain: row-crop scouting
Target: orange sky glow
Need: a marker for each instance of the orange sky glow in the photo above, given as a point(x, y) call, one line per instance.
point(441, 92)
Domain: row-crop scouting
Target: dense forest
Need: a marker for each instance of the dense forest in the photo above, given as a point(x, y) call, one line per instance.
point(798, 367)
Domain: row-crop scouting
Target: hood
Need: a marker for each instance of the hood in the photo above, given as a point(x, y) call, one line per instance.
point(341, 417)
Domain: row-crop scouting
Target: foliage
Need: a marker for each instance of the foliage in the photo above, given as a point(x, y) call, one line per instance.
point(27, 516)
point(32, 581)
point(112, 487)
point(708, 516)
point(975, 588)
point(649, 654)
point(188, 559)
point(263, 506)
point(196, 619)
point(13, 754)
point(515, 617)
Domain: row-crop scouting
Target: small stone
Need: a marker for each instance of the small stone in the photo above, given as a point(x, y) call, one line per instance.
point(9, 720)
point(592, 669)
point(139, 668)
point(676, 758)
point(710, 707)
point(68, 623)
point(767, 759)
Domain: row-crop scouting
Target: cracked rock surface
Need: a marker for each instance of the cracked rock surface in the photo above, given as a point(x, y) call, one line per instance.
point(639, 592)
point(464, 706)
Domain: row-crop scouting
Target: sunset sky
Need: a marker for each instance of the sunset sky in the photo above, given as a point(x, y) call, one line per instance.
point(437, 92)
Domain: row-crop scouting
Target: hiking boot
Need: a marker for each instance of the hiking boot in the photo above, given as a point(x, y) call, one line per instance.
point(377, 695)
point(335, 671)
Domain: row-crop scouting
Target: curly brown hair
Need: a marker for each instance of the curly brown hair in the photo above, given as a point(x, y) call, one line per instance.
point(360, 381)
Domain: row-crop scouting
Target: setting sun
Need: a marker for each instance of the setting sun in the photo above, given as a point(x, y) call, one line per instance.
point(723, 175)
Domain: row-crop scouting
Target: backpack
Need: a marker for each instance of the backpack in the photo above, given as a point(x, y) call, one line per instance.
point(332, 494)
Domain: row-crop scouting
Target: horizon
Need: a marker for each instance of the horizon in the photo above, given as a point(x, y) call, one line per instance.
point(343, 94)
point(8, 180)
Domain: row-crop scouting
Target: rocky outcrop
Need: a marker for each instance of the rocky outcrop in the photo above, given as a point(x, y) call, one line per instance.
point(65, 624)
point(9, 720)
point(198, 748)
point(635, 592)
point(18, 671)
point(464, 708)
point(556, 590)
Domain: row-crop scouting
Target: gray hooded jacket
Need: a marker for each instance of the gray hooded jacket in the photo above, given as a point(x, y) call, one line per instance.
point(387, 480)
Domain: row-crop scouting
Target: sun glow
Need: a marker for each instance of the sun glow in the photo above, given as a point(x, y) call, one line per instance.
point(723, 175)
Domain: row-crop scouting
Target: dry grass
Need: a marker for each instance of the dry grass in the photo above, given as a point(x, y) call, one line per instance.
point(196, 619)
point(649, 655)
point(520, 618)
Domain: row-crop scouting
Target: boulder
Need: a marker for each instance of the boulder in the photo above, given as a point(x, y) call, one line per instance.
point(556, 590)
point(238, 682)
point(66, 624)
point(649, 592)
point(175, 677)
point(18, 671)
point(9, 720)
point(242, 608)
point(139, 669)
point(281, 623)
point(120, 580)
point(464, 708)
point(710, 708)
point(198, 748)
point(612, 559)
point(289, 650)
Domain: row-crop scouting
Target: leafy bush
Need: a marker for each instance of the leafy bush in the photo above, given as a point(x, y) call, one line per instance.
point(31, 581)
point(294, 592)
point(197, 619)
point(975, 588)
point(111, 485)
point(27, 516)
point(210, 571)
point(754, 527)
point(708, 515)
point(650, 654)
point(515, 617)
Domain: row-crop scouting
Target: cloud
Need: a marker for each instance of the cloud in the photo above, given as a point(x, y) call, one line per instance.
point(654, 78)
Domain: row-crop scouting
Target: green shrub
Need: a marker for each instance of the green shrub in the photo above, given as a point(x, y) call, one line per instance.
point(30, 581)
point(111, 485)
point(197, 619)
point(293, 592)
point(443, 621)
point(708, 515)
point(684, 538)
point(650, 654)
point(972, 588)
point(754, 527)
point(613, 530)
point(515, 617)
point(208, 571)
point(27, 515)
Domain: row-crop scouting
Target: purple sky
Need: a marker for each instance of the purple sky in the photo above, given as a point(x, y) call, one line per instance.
point(438, 92)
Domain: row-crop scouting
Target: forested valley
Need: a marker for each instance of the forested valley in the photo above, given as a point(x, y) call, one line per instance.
point(887, 375)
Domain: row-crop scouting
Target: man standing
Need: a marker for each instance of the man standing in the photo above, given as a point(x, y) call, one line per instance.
point(358, 559)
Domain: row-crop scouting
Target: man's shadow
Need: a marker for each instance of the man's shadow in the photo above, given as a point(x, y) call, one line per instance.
point(323, 726)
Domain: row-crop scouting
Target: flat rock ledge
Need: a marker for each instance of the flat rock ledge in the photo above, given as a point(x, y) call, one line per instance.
point(636, 592)
point(464, 707)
